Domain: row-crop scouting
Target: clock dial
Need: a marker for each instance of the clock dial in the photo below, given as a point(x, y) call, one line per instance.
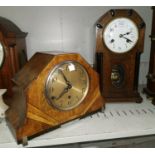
point(67, 85)
point(120, 35)
point(1, 54)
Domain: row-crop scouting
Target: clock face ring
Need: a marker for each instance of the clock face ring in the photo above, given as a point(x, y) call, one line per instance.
point(67, 85)
point(1, 54)
point(120, 35)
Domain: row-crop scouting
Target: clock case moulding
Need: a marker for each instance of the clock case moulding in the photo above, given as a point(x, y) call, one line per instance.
point(15, 56)
point(30, 114)
point(106, 60)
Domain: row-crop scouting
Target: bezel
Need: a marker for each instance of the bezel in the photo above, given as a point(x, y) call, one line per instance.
point(117, 51)
point(53, 70)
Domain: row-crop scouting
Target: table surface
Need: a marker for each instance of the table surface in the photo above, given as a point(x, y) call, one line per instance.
point(117, 121)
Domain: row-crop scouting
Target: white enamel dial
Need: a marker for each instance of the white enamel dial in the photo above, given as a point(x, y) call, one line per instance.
point(1, 54)
point(120, 35)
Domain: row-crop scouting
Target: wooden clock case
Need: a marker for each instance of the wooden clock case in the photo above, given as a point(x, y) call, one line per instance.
point(150, 89)
point(30, 113)
point(108, 61)
point(13, 42)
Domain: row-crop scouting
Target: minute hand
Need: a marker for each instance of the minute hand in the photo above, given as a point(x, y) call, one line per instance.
point(127, 39)
point(67, 82)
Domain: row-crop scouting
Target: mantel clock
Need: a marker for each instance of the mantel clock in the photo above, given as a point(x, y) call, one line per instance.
point(119, 43)
point(52, 90)
point(12, 53)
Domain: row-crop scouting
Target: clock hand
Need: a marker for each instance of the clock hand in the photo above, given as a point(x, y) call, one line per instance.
point(127, 39)
point(67, 82)
point(63, 92)
point(69, 86)
point(128, 33)
point(125, 34)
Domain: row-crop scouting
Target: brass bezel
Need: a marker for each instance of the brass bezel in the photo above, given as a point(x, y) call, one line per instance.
point(47, 81)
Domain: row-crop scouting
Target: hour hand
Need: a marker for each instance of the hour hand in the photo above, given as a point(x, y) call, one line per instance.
point(127, 39)
point(127, 33)
point(62, 93)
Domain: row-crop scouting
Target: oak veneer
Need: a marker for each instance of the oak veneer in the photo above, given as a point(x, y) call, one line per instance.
point(30, 113)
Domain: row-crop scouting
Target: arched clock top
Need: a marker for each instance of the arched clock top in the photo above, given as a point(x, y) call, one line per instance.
point(13, 53)
point(10, 29)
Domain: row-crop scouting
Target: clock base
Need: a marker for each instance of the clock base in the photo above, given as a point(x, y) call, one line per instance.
point(24, 140)
point(24, 128)
point(131, 99)
point(150, 94)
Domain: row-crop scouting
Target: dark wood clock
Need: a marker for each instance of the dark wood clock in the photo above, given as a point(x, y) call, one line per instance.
point(150, 88)
point(12, 52)
point(119, 43)
point(52, 90)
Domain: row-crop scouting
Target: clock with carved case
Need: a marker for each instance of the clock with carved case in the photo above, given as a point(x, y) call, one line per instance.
point(119, 43)
point(12, 53)
point(52, 89)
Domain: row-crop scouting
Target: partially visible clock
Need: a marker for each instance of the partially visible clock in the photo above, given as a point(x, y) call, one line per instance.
point(119, 43)
point(12, 53)
point(150, 87)
point(52, 89)
point(1, 54)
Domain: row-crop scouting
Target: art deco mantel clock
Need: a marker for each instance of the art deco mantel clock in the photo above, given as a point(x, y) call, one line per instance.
point(51, 90)
point(12, 52)
point(119, 43)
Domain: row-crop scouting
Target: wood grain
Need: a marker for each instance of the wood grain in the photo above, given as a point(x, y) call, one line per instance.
point(128, 91)
point(13, 41)
point(38, 114)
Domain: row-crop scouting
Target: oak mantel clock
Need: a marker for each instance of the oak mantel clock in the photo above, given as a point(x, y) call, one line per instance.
point(12, 52)
point(51, 90)
point(119, 43)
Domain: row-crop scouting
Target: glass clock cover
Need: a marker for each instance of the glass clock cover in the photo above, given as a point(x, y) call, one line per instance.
point(1, 54)
point(67, 85)
point(120, 35)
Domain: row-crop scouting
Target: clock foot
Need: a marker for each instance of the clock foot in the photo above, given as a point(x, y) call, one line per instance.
point(139, 100)
point(153, 101)
point(150, 95)
point(103, 109)
point(25, 141)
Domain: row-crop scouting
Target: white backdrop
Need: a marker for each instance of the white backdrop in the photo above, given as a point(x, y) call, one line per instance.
point(69, 29)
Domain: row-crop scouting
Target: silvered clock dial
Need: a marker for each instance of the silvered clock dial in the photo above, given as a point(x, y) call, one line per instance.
point(67, 85)
point(120, 35)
